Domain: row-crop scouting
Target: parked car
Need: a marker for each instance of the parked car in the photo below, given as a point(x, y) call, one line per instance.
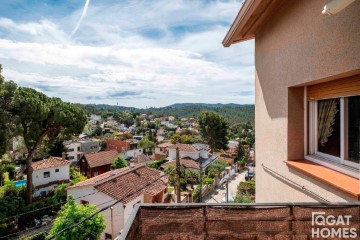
point(249, 176)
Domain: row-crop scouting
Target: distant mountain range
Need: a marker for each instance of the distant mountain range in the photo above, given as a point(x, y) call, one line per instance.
point(232, 112)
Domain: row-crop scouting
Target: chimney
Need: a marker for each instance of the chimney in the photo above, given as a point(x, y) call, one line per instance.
point(132, 163)
point(64, 155)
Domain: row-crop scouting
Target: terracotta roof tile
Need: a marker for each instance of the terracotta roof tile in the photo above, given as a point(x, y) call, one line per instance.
point(142, 158)
point(186, 162)
point(129, 185)
point(183, 147)
point(101, 158)
point(98, 178)
point(50, 163)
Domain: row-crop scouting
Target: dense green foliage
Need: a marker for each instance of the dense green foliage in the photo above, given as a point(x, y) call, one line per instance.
point(72, 213)
point(12, 202)
point(157, 164)
point(119, 162)
point(76, 176)
point(146, 144)
point(216, 168)
point(213, 129)
point(233, 113)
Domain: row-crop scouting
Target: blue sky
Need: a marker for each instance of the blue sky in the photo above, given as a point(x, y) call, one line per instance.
point(139, 53)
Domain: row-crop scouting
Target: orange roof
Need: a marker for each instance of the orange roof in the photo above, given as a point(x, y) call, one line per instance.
point(50, 163)
point(101, 158)
point(183, 147)
point(186, 162)
point(132, 184)
point(98, 178)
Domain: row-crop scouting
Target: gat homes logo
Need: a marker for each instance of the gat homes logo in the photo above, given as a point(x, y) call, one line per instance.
point(330, 226)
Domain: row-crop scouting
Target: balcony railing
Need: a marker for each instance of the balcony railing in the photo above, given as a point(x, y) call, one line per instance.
point(240, 221)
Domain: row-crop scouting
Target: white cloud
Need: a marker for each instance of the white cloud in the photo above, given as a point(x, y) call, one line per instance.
point(110, 57)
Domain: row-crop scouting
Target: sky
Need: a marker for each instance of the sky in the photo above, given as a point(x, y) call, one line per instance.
point(134, 53)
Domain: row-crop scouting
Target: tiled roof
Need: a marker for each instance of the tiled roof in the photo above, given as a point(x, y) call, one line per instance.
point(186, 162)
point(183, 147)
point(50, 163)
point(163, 145)
point(200, 146)
point(142, 158)
point(101, 158)
point(130, 185)
point(98, 178)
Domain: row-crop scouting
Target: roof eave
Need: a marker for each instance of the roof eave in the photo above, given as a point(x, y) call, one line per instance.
point(234, 29)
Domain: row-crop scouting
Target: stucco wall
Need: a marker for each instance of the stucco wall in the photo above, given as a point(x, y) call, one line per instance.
point(298, 46)
point(63, 174)
point(121, 212)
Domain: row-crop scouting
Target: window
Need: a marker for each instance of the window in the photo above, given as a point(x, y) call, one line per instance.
point(57, 170)
point(46, 174)
point(70, 150)
point(78, 148)
point(334, 129)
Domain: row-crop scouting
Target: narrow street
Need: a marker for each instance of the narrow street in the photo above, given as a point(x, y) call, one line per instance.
point(218, 194)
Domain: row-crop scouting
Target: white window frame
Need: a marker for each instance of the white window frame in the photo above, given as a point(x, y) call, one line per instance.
point(311, 144)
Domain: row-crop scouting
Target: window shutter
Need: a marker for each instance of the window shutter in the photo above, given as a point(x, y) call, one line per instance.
point(338, 88)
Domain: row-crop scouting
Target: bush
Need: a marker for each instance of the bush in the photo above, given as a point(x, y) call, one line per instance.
point(247, 187)
point(60, 193)
point(216, 168)
point(75, 176)
point(208, 180)
point(242, 198)
point(157, 164)
point(119, 163)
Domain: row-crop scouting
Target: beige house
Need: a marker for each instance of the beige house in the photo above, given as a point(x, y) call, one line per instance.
point(307, 97)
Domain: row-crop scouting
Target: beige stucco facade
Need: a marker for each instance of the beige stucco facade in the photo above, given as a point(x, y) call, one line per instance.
point(297, 46)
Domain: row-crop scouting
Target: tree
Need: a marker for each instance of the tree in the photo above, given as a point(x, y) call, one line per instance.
point(7, 90)
point(39, 116)
point(119, 163)
point(213, 129)
point(72, 213)
point(186, 139)
point(175, 138)
point(146, 144)
point(240, 152)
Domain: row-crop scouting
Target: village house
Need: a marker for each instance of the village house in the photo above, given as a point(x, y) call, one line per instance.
point(76, 149)
point(127, 148)
point(307, 97)
point(161, 150)
point(94, 164)
point(126, 187)
point(48, 173)
point(199, 153)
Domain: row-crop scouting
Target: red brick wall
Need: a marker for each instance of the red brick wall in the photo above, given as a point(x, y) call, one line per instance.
point(120, 146)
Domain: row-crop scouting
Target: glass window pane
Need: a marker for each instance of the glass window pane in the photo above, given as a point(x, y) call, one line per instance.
point(354, 129)
point(329, 126)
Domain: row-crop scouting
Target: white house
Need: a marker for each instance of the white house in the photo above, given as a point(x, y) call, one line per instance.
point(197, 152)
point(49, 173)
point(76, 149)
point(128, 186)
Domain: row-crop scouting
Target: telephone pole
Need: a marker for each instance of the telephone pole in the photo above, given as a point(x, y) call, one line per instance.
point(178, 172)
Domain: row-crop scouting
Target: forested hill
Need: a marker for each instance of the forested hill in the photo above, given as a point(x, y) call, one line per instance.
point(232, 112)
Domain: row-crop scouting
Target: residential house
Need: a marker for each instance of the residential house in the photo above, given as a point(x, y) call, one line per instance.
point(199, 153)
point(232, 146)
point(171, 118)
point(76, 149)
point(127, 148)
point(48, 173)
point(307, 97)
point(126, 187)
point(121, 146)
point(161, 150)
point(94, 164)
